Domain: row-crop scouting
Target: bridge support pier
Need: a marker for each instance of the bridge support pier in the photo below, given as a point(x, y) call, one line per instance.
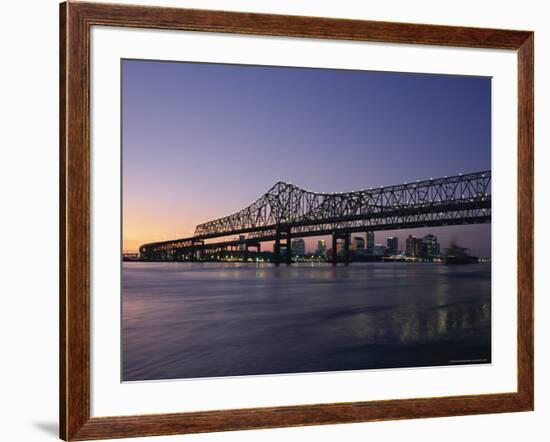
point(288, 251)
point(277, 248)
point(247, 249)
point(198, 250)
point(346, 248)
point(334, 257)
point(282, 233)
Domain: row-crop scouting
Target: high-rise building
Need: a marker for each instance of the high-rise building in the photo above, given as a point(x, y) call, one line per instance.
point(370, 243)
point(298, 247)
point(430, 246)
point(392, 244)
point(321, 248)
point(358, 243)
point(419, 247)
point(412, 246)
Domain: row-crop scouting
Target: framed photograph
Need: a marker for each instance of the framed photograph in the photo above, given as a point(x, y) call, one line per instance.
point(271, 221)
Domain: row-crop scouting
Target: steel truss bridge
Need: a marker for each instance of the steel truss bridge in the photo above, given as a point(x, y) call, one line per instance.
point(287, 211)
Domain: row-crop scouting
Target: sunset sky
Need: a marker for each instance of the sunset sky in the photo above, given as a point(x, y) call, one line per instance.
point(201, 141)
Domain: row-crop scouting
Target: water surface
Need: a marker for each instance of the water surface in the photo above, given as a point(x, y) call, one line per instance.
point(190, 320)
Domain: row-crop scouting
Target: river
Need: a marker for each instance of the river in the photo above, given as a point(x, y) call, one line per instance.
point(191, 320)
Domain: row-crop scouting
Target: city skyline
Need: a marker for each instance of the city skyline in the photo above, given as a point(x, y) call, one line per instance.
point(381, 239)
point(188, 157)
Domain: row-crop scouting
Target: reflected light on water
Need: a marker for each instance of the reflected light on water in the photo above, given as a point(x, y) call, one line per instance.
point(184, 320)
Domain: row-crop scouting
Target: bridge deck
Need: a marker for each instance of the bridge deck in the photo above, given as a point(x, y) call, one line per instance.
point(294, 212)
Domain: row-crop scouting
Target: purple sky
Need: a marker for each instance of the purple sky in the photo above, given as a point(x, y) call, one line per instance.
point(201, 141)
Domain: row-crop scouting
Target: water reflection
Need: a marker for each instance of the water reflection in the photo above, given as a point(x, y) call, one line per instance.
point(223, 319)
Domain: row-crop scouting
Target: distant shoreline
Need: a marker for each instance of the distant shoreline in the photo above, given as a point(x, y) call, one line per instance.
point(391, 261)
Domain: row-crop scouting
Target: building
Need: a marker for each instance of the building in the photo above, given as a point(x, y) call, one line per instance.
point(427, 247)
point(379, 250)
point(358, 243)
point(321, 248)
point(410, 245)
point(298, 247)
point(370, 243)
point(413, 246)
point(392, 244)
point(430, 246)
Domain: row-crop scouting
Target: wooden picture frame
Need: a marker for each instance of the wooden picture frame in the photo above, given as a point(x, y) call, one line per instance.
point(76, 20)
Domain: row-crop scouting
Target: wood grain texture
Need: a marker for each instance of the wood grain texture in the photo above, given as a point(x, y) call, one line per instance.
point(75, 215)
point(75, 22)
point(299, 26)
point(224, 420)
point(526, 215)
point(62, 225)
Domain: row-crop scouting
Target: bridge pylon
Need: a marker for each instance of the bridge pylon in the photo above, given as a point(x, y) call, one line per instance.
point(282, 233)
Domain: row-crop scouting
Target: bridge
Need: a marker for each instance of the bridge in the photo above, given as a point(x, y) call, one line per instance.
point(287, 211)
